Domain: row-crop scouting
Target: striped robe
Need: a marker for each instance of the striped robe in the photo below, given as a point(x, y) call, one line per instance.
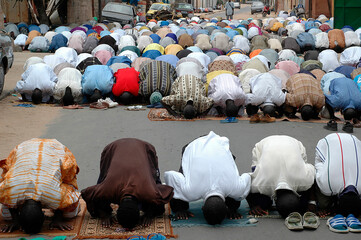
point(338, 163)
point(156, 75)
point(43, 170)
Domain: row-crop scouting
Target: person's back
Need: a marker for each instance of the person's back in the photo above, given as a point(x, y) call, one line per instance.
point(344, 94)
point(97, 77)
point(266, 89)
point(280, 162)
point(303, 89)
point(69, 77)
point(22, 172)
point(128, 167)
point(37, 76)
point(202, 175)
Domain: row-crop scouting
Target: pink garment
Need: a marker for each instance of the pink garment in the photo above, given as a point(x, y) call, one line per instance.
point(76, 41)
point(288, 66)
point(103, 56)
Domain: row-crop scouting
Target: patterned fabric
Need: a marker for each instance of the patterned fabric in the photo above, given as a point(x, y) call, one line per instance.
point(42, 170)
point(304, 90)
point(222, 65)
point(86, 63)
point(156, 75)
point(185, 88)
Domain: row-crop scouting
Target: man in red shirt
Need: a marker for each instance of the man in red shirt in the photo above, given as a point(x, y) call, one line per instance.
point(126, 85)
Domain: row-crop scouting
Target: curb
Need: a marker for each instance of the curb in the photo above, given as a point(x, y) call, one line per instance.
point(5, 94)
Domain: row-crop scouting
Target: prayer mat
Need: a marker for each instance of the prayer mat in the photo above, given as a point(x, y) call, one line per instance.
point(198, 219)
point(161, 114)
point(92, 228)
point(75, 222)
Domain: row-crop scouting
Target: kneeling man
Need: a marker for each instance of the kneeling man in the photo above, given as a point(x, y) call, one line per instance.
point(208, 171)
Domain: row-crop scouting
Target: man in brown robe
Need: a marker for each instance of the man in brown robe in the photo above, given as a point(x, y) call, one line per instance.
point(129, 176)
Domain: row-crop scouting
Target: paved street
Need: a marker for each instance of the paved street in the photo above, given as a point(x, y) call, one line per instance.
point(87, 131)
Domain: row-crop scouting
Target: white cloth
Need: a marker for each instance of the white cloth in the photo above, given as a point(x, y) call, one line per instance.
point(208, 170)
point(40, 76)
point(53, 60)
point(203, 58)
point(337, 163)
point(238, 57)
point(49, 35)
point(266, 89)
point(350, 56)
point(116, 37)
point(79, 32)
point(253, 31)
point(191, 68)
point(130, 54)
point(32, 60)
point(351, 39)
point(226, 86)
point(281, 74)
point(245, 77)
point(126, 40)
point(143, 42)
point(329, 60)
point(82, 57)
point(242, 43)
point(39, 44)
point(286, 54)
point(321, 40)
point(280, 162)
point(69, 77)
point(103, 47)
point(69, 54)
point(20, 40)
point(67, 34)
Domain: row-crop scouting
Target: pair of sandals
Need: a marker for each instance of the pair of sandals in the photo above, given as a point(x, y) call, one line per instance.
point(296, 222)
point(340, 224)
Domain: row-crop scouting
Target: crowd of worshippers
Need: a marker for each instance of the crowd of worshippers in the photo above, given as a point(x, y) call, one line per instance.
point(194, 67)
point(278, 176)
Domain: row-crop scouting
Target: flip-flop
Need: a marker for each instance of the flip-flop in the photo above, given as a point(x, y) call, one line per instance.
point(310, 220)
point(294, 221)
point(156, 236)
point(229, 120)
point(337, 224)
point(354, 225)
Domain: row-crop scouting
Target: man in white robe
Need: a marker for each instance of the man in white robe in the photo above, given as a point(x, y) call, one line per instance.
point(209, 172)
point(37, 83)
point(280, 171)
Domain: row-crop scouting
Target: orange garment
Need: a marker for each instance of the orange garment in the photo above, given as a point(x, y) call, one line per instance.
point(31, 36)
point(255, 53)
point(43, 170)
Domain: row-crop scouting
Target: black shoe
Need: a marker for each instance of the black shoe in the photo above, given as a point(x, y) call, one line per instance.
point(331, 125)
point(348, 127)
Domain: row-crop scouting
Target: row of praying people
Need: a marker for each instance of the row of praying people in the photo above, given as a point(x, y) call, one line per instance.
point(42, 173)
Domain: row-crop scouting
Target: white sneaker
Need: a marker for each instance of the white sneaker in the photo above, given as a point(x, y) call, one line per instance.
point(110, 102)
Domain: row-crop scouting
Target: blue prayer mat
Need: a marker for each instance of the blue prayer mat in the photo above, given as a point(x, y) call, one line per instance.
point(24, 105)
point(198, 219)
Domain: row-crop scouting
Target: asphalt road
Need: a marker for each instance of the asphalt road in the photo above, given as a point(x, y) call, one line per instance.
point(244, 9)
point(86, 132)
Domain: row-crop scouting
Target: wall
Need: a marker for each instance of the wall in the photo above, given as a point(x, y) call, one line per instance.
point(80, 11)
point(15, 12)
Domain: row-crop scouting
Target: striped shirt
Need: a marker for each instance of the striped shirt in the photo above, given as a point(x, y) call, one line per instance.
point(338, 163)
point(43, 170)
point(156, 75)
